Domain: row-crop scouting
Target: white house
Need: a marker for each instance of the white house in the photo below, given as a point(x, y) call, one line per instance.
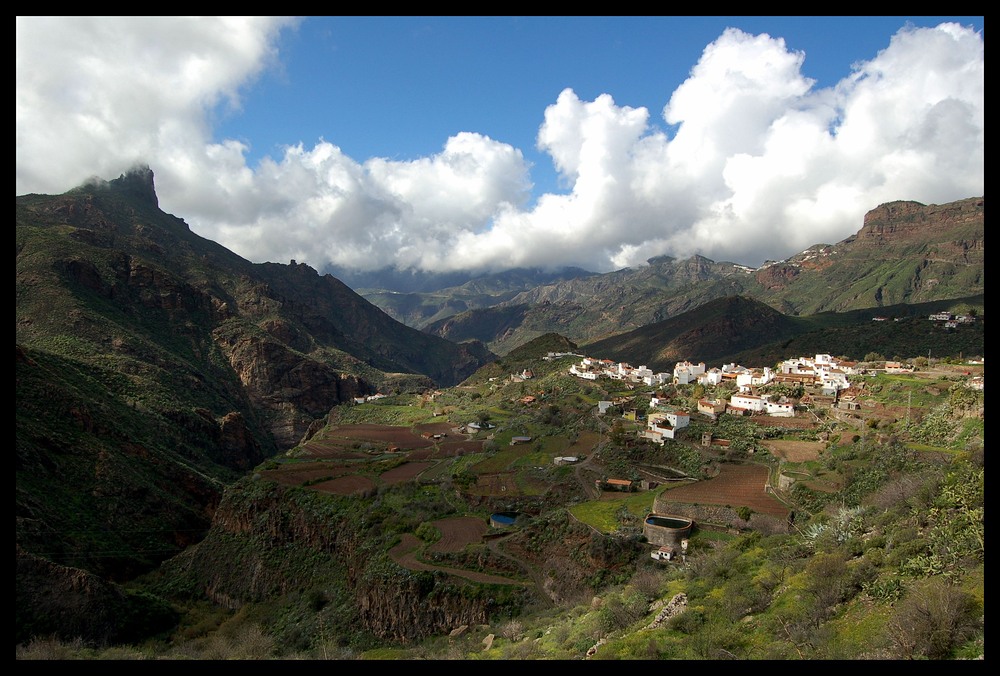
point(662, 425)
point(685, 372)
point(834, 379)
point(656, 379)
point(779, 409)
point(747, 401)
point(754, 378)
point(800, 366)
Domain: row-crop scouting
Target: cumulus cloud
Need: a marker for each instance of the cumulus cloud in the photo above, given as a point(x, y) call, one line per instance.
point(756, 163)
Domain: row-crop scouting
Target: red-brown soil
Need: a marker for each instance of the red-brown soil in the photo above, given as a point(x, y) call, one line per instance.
point(434, 428)
point(352, 484)
point(332, 449)
point(736, 486)
point(393, 435)
point(453, 447)
point(405, 472)
point(795, 451)
point(296, 474)
point(457, 532)
point(799, 423)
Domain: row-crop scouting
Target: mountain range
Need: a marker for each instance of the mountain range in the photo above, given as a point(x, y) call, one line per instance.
point(904, 253)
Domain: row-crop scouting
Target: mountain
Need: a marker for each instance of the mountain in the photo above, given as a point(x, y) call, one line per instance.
point(154, 367)
point(741, 330)
point(709, 333)
point(904, 253)
point(420, 309)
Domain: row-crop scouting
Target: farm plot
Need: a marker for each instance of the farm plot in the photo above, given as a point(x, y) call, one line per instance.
point(391, 435)
point(797, 423)
point(330, 449)
point(736, 486)
point(584, 444)
point(457, 532)
point(434, 428)
point(795, 451)
point(405, 472)
point(405, 554)
point(493, 485)
point(299, 473)
point(351, 484)
point(455, 447)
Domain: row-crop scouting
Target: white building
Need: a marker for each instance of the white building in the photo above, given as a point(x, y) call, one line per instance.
point(749, 402)
point(711, 377)
point(685, 372)
point(662, 425)
point(779, 409)
point(754, 378)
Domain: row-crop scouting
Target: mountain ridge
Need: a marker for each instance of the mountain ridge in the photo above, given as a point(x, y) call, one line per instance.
point(905, 252)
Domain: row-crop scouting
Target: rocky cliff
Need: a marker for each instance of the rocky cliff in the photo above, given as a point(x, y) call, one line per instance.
point(269, 542)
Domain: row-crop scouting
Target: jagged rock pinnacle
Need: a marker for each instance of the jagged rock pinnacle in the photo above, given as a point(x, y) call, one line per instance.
point(138, 181)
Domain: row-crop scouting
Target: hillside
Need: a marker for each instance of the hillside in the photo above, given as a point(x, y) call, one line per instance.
point(374, 538)
point(196, 477)
point(745, 331)
point(155, 367)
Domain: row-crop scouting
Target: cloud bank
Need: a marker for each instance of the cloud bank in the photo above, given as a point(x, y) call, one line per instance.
point(756, 163)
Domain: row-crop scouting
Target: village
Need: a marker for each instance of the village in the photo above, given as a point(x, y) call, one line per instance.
point(824, 380)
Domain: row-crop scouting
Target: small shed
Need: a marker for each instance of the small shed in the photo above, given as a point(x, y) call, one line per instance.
point(618, 484)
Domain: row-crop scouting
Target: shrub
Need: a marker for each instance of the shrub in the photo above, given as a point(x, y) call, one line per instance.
point(933, 619)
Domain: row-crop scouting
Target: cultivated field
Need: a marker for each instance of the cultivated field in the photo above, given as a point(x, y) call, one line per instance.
point(457, 532)
point(392, 435)
point(735, 486)
point(352, 484)
point(405, 472)
point(795, 451)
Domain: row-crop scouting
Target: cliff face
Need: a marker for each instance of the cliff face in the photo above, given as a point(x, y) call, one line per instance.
point(54, 600)
point(905, 252)
point(268, 542)
point(899, 223)
point(402, 612)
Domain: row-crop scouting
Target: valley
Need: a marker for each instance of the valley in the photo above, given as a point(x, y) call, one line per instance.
point(217, 459)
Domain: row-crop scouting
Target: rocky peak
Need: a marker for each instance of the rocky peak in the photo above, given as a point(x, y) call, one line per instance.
point(138, 182)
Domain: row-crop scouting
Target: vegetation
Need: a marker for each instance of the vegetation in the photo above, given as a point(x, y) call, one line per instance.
point(888, 566)
point(161, 378)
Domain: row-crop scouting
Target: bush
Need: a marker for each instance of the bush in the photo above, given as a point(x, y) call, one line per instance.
point(933, 619)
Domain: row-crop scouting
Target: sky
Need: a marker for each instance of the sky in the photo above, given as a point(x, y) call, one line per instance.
point(480, 144)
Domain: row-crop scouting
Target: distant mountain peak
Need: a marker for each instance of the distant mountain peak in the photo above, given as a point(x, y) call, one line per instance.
point(137, 181)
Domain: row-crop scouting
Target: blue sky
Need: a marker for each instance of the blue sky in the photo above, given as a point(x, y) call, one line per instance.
point(399, 87)
point(481, 143)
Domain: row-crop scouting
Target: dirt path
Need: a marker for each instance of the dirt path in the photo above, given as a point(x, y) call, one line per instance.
point(405, 554)
point(530, 570)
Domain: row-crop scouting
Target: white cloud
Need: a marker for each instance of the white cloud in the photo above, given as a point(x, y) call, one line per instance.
point(756, 164)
